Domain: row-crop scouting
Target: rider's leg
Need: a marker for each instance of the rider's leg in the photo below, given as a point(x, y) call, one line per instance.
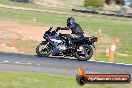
point(72, 37)
point(76, 37)
point(70, 43)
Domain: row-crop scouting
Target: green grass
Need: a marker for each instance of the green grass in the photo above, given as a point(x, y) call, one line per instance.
point(111, 28)
point(37, 80)
point(26, 17)
point(33, 6)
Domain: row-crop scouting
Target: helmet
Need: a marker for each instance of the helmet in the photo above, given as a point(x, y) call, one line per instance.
point(70, 21)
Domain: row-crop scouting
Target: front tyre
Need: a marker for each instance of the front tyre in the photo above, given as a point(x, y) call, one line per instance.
point(43, 49)
point(85, 54)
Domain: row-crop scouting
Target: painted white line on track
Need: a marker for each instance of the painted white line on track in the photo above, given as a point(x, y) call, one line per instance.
point(111, 62)
point(29, 63)
point(100, 61)
point(128, 64)
point(6, 61)
point(119, 63)
point(22, 63)
point(17, 62)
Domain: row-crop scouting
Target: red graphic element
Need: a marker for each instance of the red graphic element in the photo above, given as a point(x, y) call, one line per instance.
point(83, 78)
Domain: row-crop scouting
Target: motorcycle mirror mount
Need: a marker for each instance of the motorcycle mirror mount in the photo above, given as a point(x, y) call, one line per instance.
point(50, 28)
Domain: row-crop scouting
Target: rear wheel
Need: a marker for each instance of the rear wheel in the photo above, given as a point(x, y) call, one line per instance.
point(85, 53)
point(43, 49)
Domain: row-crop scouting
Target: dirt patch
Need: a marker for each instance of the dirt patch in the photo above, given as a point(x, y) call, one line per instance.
point(13, 33)
point(17, 30)
point(30, 9)
point(5, 48)
point(66, 3)
point(47, 4)
point(23, 31)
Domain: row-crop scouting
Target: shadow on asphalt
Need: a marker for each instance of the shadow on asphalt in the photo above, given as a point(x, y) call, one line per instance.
point(56, 59)
point(35, 56)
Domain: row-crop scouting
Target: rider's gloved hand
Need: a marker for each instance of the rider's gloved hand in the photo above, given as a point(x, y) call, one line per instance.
point(59, 28)
point(62, 28)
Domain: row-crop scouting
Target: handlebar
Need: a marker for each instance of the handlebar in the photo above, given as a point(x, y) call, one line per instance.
point(55, 30)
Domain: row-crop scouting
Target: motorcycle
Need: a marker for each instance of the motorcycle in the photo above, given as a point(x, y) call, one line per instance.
point(55, 44)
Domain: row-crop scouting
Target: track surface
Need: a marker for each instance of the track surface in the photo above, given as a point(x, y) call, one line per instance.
point(53, 65)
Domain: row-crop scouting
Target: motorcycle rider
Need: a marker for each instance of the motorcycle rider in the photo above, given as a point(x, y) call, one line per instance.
point(77, 31)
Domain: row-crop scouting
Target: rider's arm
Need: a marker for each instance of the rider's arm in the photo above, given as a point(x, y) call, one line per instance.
point(68, 27)
point(65, 28)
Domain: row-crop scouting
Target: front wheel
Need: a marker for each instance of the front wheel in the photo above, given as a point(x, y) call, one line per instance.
point(44, 49)
point(85, 53)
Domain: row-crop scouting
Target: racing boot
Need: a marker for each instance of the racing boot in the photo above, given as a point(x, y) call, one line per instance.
point(71, 46)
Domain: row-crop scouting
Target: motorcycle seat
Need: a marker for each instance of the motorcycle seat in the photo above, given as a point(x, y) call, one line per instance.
point(77, 40)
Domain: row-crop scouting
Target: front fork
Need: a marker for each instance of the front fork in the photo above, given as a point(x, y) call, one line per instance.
point(46, 43)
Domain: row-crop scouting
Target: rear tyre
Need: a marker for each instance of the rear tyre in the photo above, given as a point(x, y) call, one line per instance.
point(88, 52)
point(43, 50)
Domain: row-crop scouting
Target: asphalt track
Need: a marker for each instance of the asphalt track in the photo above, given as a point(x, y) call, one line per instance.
point(54, 65)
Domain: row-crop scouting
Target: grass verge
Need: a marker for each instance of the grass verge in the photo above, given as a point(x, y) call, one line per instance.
point(37, 80)
point(33, 6)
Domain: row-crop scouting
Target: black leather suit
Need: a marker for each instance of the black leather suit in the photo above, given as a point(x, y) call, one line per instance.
point(77, 33)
